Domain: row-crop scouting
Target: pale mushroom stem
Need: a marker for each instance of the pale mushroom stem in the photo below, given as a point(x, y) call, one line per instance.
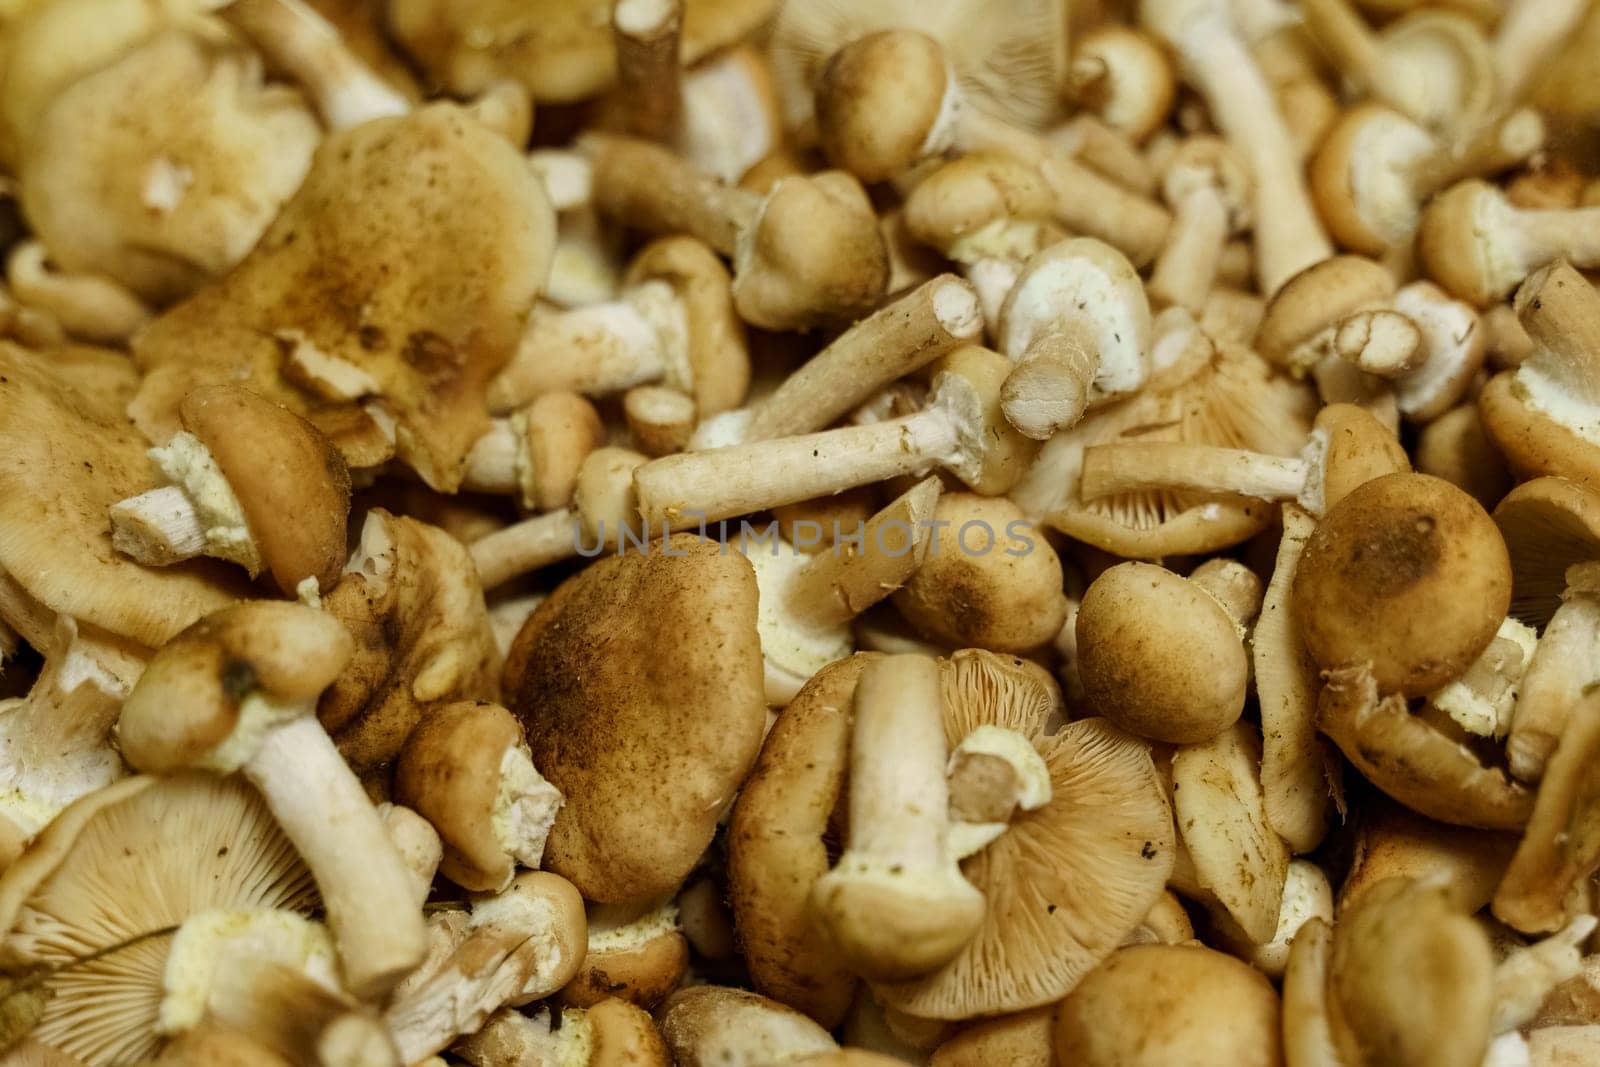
point(1549, 234)
point(1502, 144)
point(1559, 672)
point(1528, 33)
point(655, 189)
point(496, 457)
point(835, 586)
point(1093, 205)
point(1137, 466)
point(649, 78)
point(525, 546)
point(158, 527)
point(364, 883)
point(302, 42)
point(596, 349)
point(992, 774)
point(1561, 312)
point(1346, 36)
point(1087, 138)
point(1050, 388)
point(1187, 267)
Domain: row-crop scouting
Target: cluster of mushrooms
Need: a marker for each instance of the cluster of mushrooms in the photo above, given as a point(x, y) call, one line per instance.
point(733, 533)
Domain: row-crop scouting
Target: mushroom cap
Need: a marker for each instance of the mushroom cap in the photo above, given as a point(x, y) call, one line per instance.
point(188, 700)
point(412, 604)
point(411, 254)
point(1548, 524)
point(1133, 85)
point(1131, 618)
point(449, 772)
point(1084, 283)
point(971, 192)
point(718, 355)
point(69, 454)
point(710, 1025)
point(639, 686)
point(1360, 181)
point(992, 582)
point(977, 376)
point(1357, 448)
point(162, 168)
point(1315, 299)
point(1151, 1005)
point(1065, 883)
point(1454, 350)
point(1463, 243)
point(1529, 440)
point(1407, 574)
point(640, 971)
point(777, 847)
point(1204, 394)
point(139, 856)
point(879, 101)
point(1207, 160)
point(292, 484)
point(1394, 841)
point(1023, 1038)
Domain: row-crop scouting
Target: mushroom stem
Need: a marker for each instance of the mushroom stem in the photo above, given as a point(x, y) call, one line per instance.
point(1558, 674)
point(1528, 33)
point(1087, 138)
point(1049, 389)
point(1507, 142)
point(896, 905)
point(595, 349)
point(298, 39)
point(1135, 466)
point(91, 306)
point(1187, 266)
point(1346, 37)
point(525, 546)
point(653, 189)
point(992, 774)
point(646, 34)
point(1561, 312)
point(325, 813)
point(158, 527)
point(197, 514)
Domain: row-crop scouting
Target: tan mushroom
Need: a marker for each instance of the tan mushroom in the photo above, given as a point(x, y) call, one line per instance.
point(1212, 199)
point(1395, 842)
point(1454, 447)
point(1479, 246)
point(1125, 77)
point(636, 953)
point(536, 454)
point(717, 1025)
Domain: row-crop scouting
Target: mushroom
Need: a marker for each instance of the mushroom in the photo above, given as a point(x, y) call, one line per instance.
point(1124, 77)
point(636, 952)
point(236, 692)
point(674, 323)
point(961, 430)
point(1539, 415)
point(660, 420)
point(1213, 57)
point(1479, 246)
point(1455, 448)
point(1211, 197)
point(1453, 351)
point(1306, 896)
point(90, 306)
point(161, 166)
point(776, 848)
point(1527, 36)
point(536, 453)
point(647, 745)
point(1307, 1029)
point(310, 320)
point(247, 481)
point(1021, 1038)
point(612, 1033)
point(1131, 619)
point(1406, 575)
point(806, 253)
point(895, 905)
point(1086, 138)
point(709, 1024)
point(466, 769)
point(1077, 324)
point(587, 265)
point(1066, 882)
point(1394, 841)
point(69, 455)
point(1156, 1004)
point(1376, 169)
point(1348, 447)
point(421, 633)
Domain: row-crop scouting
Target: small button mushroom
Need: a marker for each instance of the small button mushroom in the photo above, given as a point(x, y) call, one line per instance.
point(249, 482)
point(674, 323)
point(1077, 324)
point(1454, 344)
point(1124, 77)
point(990, 581)
point(1479, 246)
point(466, 769)
point(1213, 57)
point(1406, 575)
point(637, 953)
point(1159, 655)
point(1538, 415)
point(1211, 197)
point(961, 430)
point(718, 1026)
point(537, 452)
point(806, 253)
point(1151, 1005)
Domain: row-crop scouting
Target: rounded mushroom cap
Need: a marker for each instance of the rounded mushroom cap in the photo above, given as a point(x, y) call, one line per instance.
point(1454, 348)
point(1125, 76)
point(1023, 1038)
point(291, 482)
point(879, 101)
point(708, 1025)
point(639, 686)
point(1132, 618)
point(1548, 524)
point(1153, 1005)
point(1461, 241)
point(1407, 574)
point(449, 772)
point(1204, 160)
point(971, 192)
point(1359, 178)
point(640, 974)
point(719, 359)
point(1315, 299)
point(1530, 440)
point(992, 581)
point(1356, 449)
point(188, 700)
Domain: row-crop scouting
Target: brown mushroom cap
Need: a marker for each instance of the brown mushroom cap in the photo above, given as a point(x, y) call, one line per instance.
point(708, 1025)
point(292, 484)
point(1153, 1005)
point(1531, 443)
point(1548, 525)
point(993, 581)
point(973, 191)
point(1358, 448)
point(1394, 841)
point(718, 356)
point(1407, 574)
point(639, 686)
point(69, 454)
point(1131, 619)
point(1318, 297)
point(878, 100)
point(1459, 236)
point(777, 846)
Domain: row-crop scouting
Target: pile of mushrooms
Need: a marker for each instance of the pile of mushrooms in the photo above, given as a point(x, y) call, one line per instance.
point(761, 533)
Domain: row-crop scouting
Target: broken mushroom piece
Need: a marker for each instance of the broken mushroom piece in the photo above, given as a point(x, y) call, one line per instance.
point(1212, 198)
point(1454, 345)
point(1307, 895)
point(636, 952)
point(537, 452)
point(249, 482)
point(895, 905)
point(237, 692)
point(807, 253)
point(90, 306)
point(1479, 246)
point(466, 769)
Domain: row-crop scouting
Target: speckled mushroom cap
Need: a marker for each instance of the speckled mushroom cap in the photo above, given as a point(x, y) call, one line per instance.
point(409, 258)
point(719, 361)
point(1065, 883)
point(1407, 574)
point(639, 686)
point(68, 454)
point(1548, 524)
point(292, 484)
